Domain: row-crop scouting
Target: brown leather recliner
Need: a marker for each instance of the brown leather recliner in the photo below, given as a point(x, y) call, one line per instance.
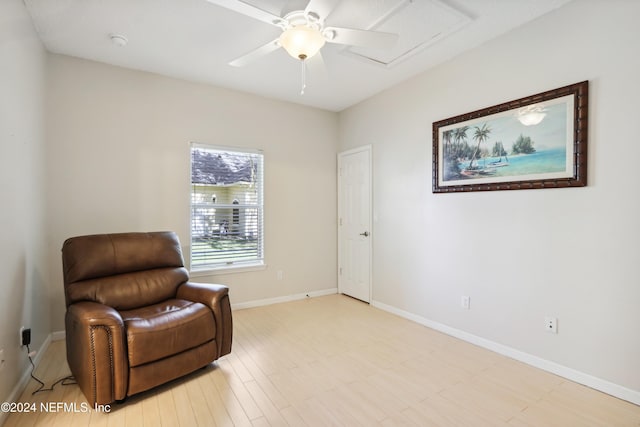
point(133, 320)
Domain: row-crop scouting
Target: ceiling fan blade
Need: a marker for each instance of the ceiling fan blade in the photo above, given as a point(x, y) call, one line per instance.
point(322, 8)
point(316, 66)
point(250, 11)
point(255, 54)
point(363, 38)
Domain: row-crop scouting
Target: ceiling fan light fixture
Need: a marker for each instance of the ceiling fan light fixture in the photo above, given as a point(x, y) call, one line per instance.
point(301, 41)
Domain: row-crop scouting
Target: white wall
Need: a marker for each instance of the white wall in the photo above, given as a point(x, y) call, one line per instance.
point(119, 161)
point(519, 255)
point(23, 289)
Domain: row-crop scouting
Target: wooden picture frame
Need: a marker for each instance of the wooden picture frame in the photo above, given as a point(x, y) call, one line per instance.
point(539, 141)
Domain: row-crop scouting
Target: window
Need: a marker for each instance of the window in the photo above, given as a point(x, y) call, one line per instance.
point(226, 208)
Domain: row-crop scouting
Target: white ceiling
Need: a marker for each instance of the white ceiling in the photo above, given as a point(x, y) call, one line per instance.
point(195, 40)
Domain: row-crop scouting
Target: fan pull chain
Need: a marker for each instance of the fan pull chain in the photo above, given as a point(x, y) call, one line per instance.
point(304, 77)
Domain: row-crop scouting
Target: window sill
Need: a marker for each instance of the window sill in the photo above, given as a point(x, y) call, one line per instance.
point(216, 271)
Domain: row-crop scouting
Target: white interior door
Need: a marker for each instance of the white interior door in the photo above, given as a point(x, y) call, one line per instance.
point(354, 223)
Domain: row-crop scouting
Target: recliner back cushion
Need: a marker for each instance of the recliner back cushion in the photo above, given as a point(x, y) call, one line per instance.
point(125, 270)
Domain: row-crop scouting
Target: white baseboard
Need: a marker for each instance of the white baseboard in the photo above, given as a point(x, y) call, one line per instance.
point(604, 386)
point(58, 335)
point(26, 376)
point(286, 298)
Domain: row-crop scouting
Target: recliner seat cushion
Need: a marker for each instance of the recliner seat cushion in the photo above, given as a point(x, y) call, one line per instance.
point(165, 329)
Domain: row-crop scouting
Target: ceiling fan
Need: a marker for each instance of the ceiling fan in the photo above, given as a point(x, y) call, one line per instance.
point(304, 32)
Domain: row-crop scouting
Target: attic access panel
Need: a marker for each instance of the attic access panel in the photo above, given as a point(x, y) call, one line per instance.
point(419, 24)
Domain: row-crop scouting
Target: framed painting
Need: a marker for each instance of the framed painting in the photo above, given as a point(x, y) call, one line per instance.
point(535, 142)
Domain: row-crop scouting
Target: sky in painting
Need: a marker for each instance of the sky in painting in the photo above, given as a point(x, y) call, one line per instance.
point(505, 127)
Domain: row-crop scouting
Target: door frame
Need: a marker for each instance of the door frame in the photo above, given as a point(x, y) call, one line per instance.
point(341, 155)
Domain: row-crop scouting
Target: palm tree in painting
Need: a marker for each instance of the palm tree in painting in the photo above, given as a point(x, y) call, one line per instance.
point(446, 136)
point(480, 134)
point(459, 136)
point(450, 164)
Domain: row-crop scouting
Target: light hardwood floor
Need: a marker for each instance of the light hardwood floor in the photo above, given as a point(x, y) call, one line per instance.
point(335, 361)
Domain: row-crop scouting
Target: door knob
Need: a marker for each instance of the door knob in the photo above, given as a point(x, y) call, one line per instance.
point(365, 234)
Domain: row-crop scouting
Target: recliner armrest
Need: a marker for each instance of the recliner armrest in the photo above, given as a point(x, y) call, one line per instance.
point(97, 351)
point(216, 297)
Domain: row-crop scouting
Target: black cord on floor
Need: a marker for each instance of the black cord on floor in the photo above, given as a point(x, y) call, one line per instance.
point(69, 380)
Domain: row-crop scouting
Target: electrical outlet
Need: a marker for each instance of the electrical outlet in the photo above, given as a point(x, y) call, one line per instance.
point(20, 335)
point(279, 274)
point(551, 325)
point(465, 302)
point(2, 361)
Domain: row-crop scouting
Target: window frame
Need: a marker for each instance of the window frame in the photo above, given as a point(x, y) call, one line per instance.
point(236, 267)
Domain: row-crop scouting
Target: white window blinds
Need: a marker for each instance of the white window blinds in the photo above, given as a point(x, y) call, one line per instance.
point(226, 207)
